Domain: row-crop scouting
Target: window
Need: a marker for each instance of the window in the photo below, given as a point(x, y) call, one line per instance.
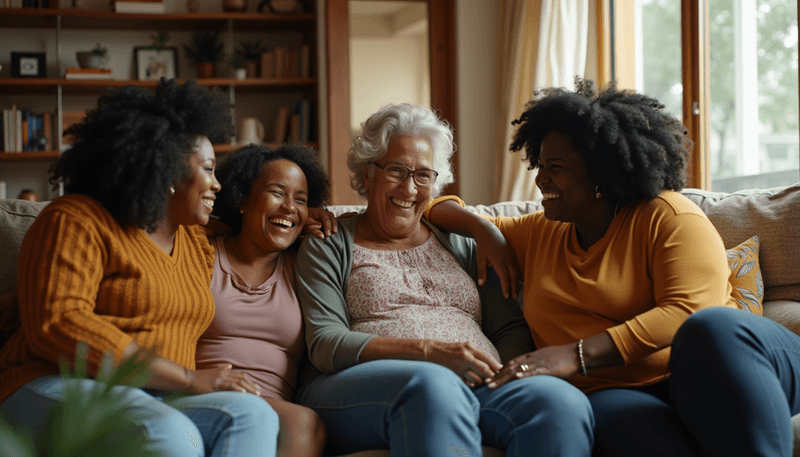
point(748, 94)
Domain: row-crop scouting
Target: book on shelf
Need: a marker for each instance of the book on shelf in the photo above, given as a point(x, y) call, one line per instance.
point(268, 64)
point(26, 131)
point(282, 125)
point(88, 73)
point(294, 128)
point(303, 111)
point(138, 7)
point(305, 61)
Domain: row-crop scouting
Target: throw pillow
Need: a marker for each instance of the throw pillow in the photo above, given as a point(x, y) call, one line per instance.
point(747, 285)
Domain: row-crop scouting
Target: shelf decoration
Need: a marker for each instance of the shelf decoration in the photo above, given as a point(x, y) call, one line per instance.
point(28, 65)
point(95, 58)
point(153, 64)
point(204, 51)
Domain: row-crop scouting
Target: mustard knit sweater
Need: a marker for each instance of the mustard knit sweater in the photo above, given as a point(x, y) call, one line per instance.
point(82, 277)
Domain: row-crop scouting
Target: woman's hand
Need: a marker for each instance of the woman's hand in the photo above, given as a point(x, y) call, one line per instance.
point(493, 250)
point(220, 378)
point(320, 223)
point(472, 364)
point(559, 361)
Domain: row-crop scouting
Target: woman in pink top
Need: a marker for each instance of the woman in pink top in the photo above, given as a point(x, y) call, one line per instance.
point(258, 326)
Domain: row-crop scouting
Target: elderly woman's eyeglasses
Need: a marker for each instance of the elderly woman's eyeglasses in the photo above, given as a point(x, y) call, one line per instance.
point(397, 172)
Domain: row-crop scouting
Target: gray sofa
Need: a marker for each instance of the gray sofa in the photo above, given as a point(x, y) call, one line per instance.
point(772, 214)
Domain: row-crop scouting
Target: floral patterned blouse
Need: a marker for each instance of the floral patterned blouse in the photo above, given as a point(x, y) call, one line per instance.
point(421, 292)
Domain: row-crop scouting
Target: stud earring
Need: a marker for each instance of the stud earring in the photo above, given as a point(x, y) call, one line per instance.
point(171, 191)
point(241, 211)
point(597, 194)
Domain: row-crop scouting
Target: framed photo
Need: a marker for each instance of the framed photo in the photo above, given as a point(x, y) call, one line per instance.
point(154, 63)
point(28, 65)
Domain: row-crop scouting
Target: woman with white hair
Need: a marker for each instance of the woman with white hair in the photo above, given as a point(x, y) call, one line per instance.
point(403, 335)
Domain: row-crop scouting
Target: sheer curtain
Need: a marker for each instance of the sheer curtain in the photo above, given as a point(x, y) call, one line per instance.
point(541, 44)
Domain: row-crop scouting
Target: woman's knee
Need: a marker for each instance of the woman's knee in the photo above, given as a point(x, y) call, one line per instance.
point(439, 387)
point(557, 399)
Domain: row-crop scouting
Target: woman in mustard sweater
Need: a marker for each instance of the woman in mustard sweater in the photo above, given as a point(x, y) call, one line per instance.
point(615, 265)
point(121, 264)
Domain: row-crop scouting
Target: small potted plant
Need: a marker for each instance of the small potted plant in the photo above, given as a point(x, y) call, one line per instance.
point(250, 51)
point(92, 59)
point(204, 51)
point(239, 68)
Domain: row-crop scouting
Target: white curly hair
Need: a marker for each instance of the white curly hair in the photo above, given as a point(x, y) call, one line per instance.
point(401, 120)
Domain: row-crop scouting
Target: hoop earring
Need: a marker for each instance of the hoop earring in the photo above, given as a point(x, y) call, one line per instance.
point(597, 194)
point(171, 191)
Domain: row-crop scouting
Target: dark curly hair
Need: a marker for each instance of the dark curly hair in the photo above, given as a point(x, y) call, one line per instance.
point(631, 147)
point(135, 144)
point(238, 173)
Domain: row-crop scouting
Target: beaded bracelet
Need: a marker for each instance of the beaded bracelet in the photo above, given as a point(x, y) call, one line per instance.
point(580, 358)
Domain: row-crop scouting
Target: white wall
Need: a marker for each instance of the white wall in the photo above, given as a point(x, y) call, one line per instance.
point(386, 70)
point(476, 75)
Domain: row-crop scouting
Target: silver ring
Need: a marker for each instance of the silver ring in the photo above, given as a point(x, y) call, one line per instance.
point(523, 367)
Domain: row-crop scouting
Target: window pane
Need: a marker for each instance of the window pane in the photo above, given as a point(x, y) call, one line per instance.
point(658, 49)
point(753, 113)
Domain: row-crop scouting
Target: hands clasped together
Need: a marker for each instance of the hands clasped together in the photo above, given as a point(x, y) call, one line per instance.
point(477, 368)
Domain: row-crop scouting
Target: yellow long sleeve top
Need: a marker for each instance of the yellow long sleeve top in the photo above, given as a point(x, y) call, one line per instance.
point(659, 262)
point(82, 277)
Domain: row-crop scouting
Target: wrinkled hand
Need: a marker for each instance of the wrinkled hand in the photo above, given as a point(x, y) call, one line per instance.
point(493, 250)
point(559, 361)
point(221, 378)
point(320, 223)
point(472, 364)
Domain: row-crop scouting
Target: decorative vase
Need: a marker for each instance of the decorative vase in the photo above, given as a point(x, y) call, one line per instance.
point(240, 73)
point(234, 6)
point(88, 59)
point(192, 5)
point(206, 70)
point(281, 6)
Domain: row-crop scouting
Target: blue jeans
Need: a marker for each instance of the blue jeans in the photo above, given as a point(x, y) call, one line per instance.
point(736, 382)
point(734, 386)
point(216, 424)
point(421, 408)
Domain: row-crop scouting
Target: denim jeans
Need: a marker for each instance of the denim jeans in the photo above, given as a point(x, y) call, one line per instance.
point(424, 409)
point(736, 382)
point(215, 424)
point(733, 388)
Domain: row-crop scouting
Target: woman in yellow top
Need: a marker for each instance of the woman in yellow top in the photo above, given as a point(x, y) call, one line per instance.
point(613, 267)
point(121, 263)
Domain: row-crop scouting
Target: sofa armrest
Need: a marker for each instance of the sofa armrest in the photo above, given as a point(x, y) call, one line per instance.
point(784, 312)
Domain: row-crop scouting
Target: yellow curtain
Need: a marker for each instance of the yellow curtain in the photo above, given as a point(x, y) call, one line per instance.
point(541, 44)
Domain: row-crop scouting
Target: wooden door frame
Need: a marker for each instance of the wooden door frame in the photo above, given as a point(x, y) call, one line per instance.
point(442, 52)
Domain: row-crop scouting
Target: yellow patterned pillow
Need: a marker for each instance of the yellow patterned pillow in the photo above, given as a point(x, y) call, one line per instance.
point(745, 278)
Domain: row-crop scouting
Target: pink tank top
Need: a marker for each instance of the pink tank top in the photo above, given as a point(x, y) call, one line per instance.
point(258, 329)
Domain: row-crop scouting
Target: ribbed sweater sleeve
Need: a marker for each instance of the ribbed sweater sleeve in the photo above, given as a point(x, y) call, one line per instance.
point(83, 278)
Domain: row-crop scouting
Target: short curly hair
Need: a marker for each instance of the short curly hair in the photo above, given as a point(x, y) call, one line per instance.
point(632, 148)
point(136, 143)
point(239, 171)
point(401, 120)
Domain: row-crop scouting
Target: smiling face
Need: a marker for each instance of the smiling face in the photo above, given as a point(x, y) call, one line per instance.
point(194, 196)
point(277, 208)
point(395, 209)
point(568, 193)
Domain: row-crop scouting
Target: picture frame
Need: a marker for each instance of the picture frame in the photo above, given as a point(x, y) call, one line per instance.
point(153, 64)
point(28, 65)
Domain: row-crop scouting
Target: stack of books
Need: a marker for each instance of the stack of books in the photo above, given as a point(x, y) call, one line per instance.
point(139, 6)
point(87, 73)
point(26, 131)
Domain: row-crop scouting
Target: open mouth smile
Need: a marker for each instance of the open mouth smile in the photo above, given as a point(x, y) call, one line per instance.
point(281, 222)
point(401, 203)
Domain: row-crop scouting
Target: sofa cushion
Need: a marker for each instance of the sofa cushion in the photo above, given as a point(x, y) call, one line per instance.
point(15, 218)
point(747, 285)
point(774, 216)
